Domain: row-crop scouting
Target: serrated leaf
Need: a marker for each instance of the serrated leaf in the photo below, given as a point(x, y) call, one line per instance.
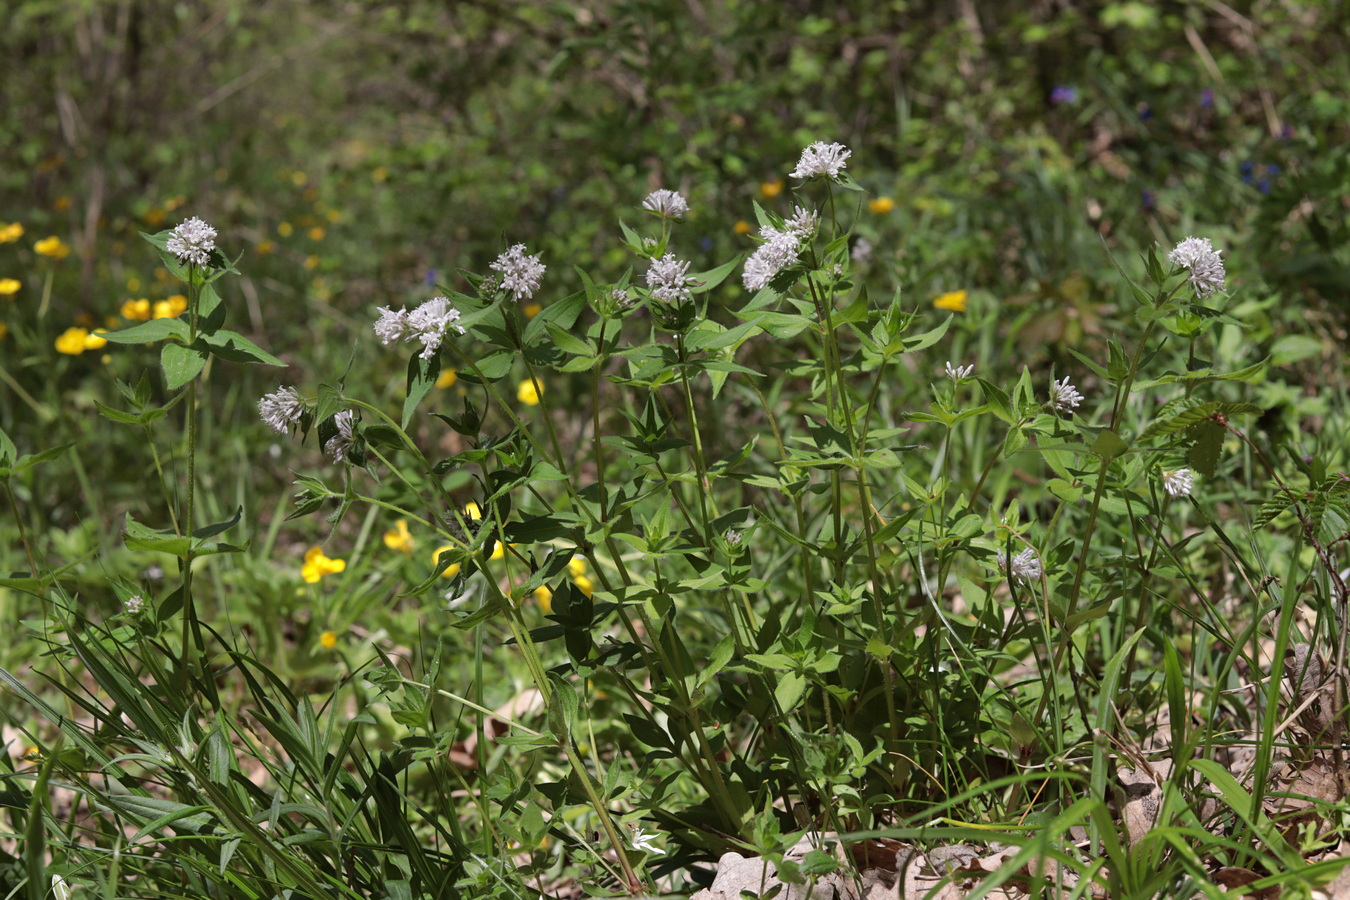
point(237, 348)
point(1204, 453)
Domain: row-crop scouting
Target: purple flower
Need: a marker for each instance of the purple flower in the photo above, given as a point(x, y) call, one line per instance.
point(1145, 112)
point(1063, 94)
point(1207, 98)
point(1148, 200)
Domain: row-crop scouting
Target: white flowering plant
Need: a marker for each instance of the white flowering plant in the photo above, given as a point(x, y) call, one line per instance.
point(744, 529)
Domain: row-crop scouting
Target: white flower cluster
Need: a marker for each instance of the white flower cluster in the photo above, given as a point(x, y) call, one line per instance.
point(666, 204)
point(822, 159)
point(134, 605)
point(193, 241)
point(1025, 566)
point(429, 324)
point(281, 409)
point(1199, 255)
point(1179, 482)
point(862, 251)
point(340, 444)
point(1064, 397)
point(669, 279)
point(520, 273)
point(780, 248)
point(959, 373)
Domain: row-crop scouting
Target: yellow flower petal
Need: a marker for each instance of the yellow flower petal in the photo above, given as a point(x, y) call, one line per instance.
point(94, 342)
point(317, 565)
point(952, 300)
point(881, 205)
point(52, 247)
point(528, 393)
point(399, 538)
point(531, 310)
point(576, 566)
point(9, 286)
point(328, 640)
point(136, 310)
point(473, 511)
point(770, 189)
point(544, 597)
point(447, 378)
point(71, 341)
point(451, 570)
point(584, 585)
point(10, 233)
point(742, 227)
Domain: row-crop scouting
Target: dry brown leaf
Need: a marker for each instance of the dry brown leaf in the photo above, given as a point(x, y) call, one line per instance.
point(1232, 876)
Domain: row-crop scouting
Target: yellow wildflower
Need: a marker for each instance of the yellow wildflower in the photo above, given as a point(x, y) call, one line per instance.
point(379, 173)
point(311, 263)
point(451, 570)
point(399, 538)
point(171, 308)
point(9, 286)
point(952, 300)
point(174, 202)
point(285, 228)
point(94, 342)
point(544, 597)
point(528, 393)
point(155, 216)
point(61, 204)
point(334, 215)
point(52, 247)
point(584, 585)
point(328, 640)
point(881, 205)
point(71, 341)
point(10, 233)
point(531, 310)
point(576, 566)
point(136, 310)
point(266, 246)
point(742, 227)
point(770, 189)
point(316, 233)
point(299, 178)
point(447, 378)
point(317, 565)
point(473, 511)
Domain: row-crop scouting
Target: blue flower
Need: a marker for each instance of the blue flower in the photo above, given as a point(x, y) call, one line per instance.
point(1207, 98)
point(1063, 94)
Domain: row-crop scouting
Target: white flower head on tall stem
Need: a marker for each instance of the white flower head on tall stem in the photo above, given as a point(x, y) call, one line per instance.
point(666, 204)
point(959, 373)
point(281, 409)
point(1025, 566)
point(862, 251)
point(822, 159)
point(1199, 255)
point(392, 326)
point(780, 249)
point(1064, 397)
point(339, 446)
point(1179, 482)
point(193, 241)
point(669, 279)
point(520, 273)
point(430, 323)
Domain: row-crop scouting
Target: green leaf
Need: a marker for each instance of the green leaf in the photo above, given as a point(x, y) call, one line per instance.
point(422, 375)
point(789, 691)
point(570, 343)
point(706, 281)
point(1204, 453)
point(148, 332)
point(721, 655)
point(708, 335)
point(1109, 445)
point(560, 314)
point(1294, 347)
point(28, 461)
point(181, 364)
point(237, 348)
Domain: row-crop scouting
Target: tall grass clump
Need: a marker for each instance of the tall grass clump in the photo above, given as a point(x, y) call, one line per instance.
point(669, 567)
